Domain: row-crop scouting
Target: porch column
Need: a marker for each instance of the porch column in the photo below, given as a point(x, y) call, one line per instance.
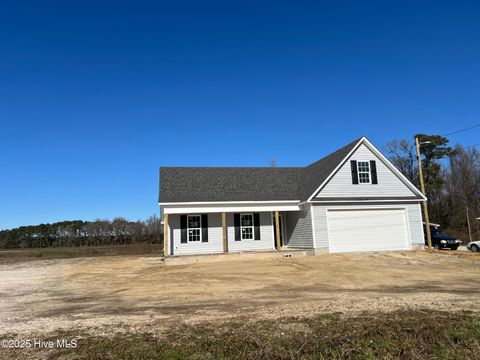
point(277, 231)
point(165, 234)
point(224, 228)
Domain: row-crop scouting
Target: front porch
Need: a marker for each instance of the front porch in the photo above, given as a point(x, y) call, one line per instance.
point(231, 232)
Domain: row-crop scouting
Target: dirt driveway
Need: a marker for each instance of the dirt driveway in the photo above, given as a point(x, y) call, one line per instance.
point(134, 292)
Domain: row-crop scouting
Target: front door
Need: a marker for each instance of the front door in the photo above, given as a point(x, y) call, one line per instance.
point(275, 229)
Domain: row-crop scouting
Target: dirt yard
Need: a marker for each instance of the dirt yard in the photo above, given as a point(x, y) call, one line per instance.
point(134, 292)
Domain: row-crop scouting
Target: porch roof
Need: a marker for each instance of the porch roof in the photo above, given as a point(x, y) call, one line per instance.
point(231, 207)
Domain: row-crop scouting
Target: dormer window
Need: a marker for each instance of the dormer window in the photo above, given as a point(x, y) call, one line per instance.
point(363, 172)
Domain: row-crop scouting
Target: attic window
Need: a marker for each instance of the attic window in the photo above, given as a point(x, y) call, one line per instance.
point(363, 172)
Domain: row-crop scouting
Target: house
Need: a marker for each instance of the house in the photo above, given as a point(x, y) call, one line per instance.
point(352, 200)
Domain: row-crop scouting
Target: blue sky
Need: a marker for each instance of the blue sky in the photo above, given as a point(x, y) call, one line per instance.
point(95, 96)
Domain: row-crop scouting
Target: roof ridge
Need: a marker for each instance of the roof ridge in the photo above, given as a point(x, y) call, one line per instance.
point(267, 167)
point(238, 183)
point(319, 171)
point(337, 151)
point(232, 167)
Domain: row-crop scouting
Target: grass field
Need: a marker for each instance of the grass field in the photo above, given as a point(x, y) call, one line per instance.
point(394, 335)
point(82, 251)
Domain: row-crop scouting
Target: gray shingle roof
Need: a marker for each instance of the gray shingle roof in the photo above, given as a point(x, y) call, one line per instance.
point(315, 174)
point(199, 184)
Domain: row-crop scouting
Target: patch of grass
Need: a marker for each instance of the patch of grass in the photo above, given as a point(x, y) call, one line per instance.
point(81, 251)
point(397, 335)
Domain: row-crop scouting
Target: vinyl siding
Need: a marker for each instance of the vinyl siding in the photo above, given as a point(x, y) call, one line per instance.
point(215, 239)
point(414, 213)
point(266, 235)
point(388, 183)
point(414, 221)
point(298, 226)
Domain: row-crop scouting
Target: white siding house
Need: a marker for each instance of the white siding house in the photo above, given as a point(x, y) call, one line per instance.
point(352, 200)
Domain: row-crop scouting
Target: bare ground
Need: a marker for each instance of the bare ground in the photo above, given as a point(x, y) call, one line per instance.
point(132, 292)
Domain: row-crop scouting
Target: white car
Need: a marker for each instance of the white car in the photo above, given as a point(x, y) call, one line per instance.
point(474, 246)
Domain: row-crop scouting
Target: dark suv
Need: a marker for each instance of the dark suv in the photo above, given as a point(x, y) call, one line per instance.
point(440, 240)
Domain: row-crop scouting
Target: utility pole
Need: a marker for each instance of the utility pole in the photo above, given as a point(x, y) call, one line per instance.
point(469, 228)
point(422, 187)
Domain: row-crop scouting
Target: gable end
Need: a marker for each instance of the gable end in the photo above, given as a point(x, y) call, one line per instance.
point(385, 181)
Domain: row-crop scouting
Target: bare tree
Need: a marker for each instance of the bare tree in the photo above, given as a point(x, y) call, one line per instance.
point(463, 189)
point(402, 155)
point(153, 229)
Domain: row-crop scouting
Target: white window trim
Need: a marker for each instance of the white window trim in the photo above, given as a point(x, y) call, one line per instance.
point(189, 228)
point(369, 172)
point(247, 227)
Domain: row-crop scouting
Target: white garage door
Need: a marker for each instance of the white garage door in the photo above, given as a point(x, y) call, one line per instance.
point(367, 230)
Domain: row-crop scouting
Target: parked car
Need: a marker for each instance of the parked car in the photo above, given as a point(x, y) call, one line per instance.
point(474, 246)
point(441, 240)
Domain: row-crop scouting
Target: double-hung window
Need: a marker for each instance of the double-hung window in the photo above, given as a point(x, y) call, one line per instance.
point(363, 172)
point(194, 228)
point(246, 226)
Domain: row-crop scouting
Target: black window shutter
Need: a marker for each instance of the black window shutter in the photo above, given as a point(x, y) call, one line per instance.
point(204, 227)
point(183, 228)
point(256, 224)
point(236, 224)
point(373, 171)
point(353, 165)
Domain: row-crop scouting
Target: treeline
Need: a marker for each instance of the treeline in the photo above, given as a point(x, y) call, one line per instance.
point(452, 181)
point(119, 231)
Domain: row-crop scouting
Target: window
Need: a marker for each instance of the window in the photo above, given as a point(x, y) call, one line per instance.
point(246, 226)
point(194, 228)
point(363, 172)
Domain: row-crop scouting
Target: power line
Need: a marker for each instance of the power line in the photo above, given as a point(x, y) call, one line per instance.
point(462, 130)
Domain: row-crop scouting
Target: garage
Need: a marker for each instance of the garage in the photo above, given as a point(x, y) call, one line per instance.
point(358, 230)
